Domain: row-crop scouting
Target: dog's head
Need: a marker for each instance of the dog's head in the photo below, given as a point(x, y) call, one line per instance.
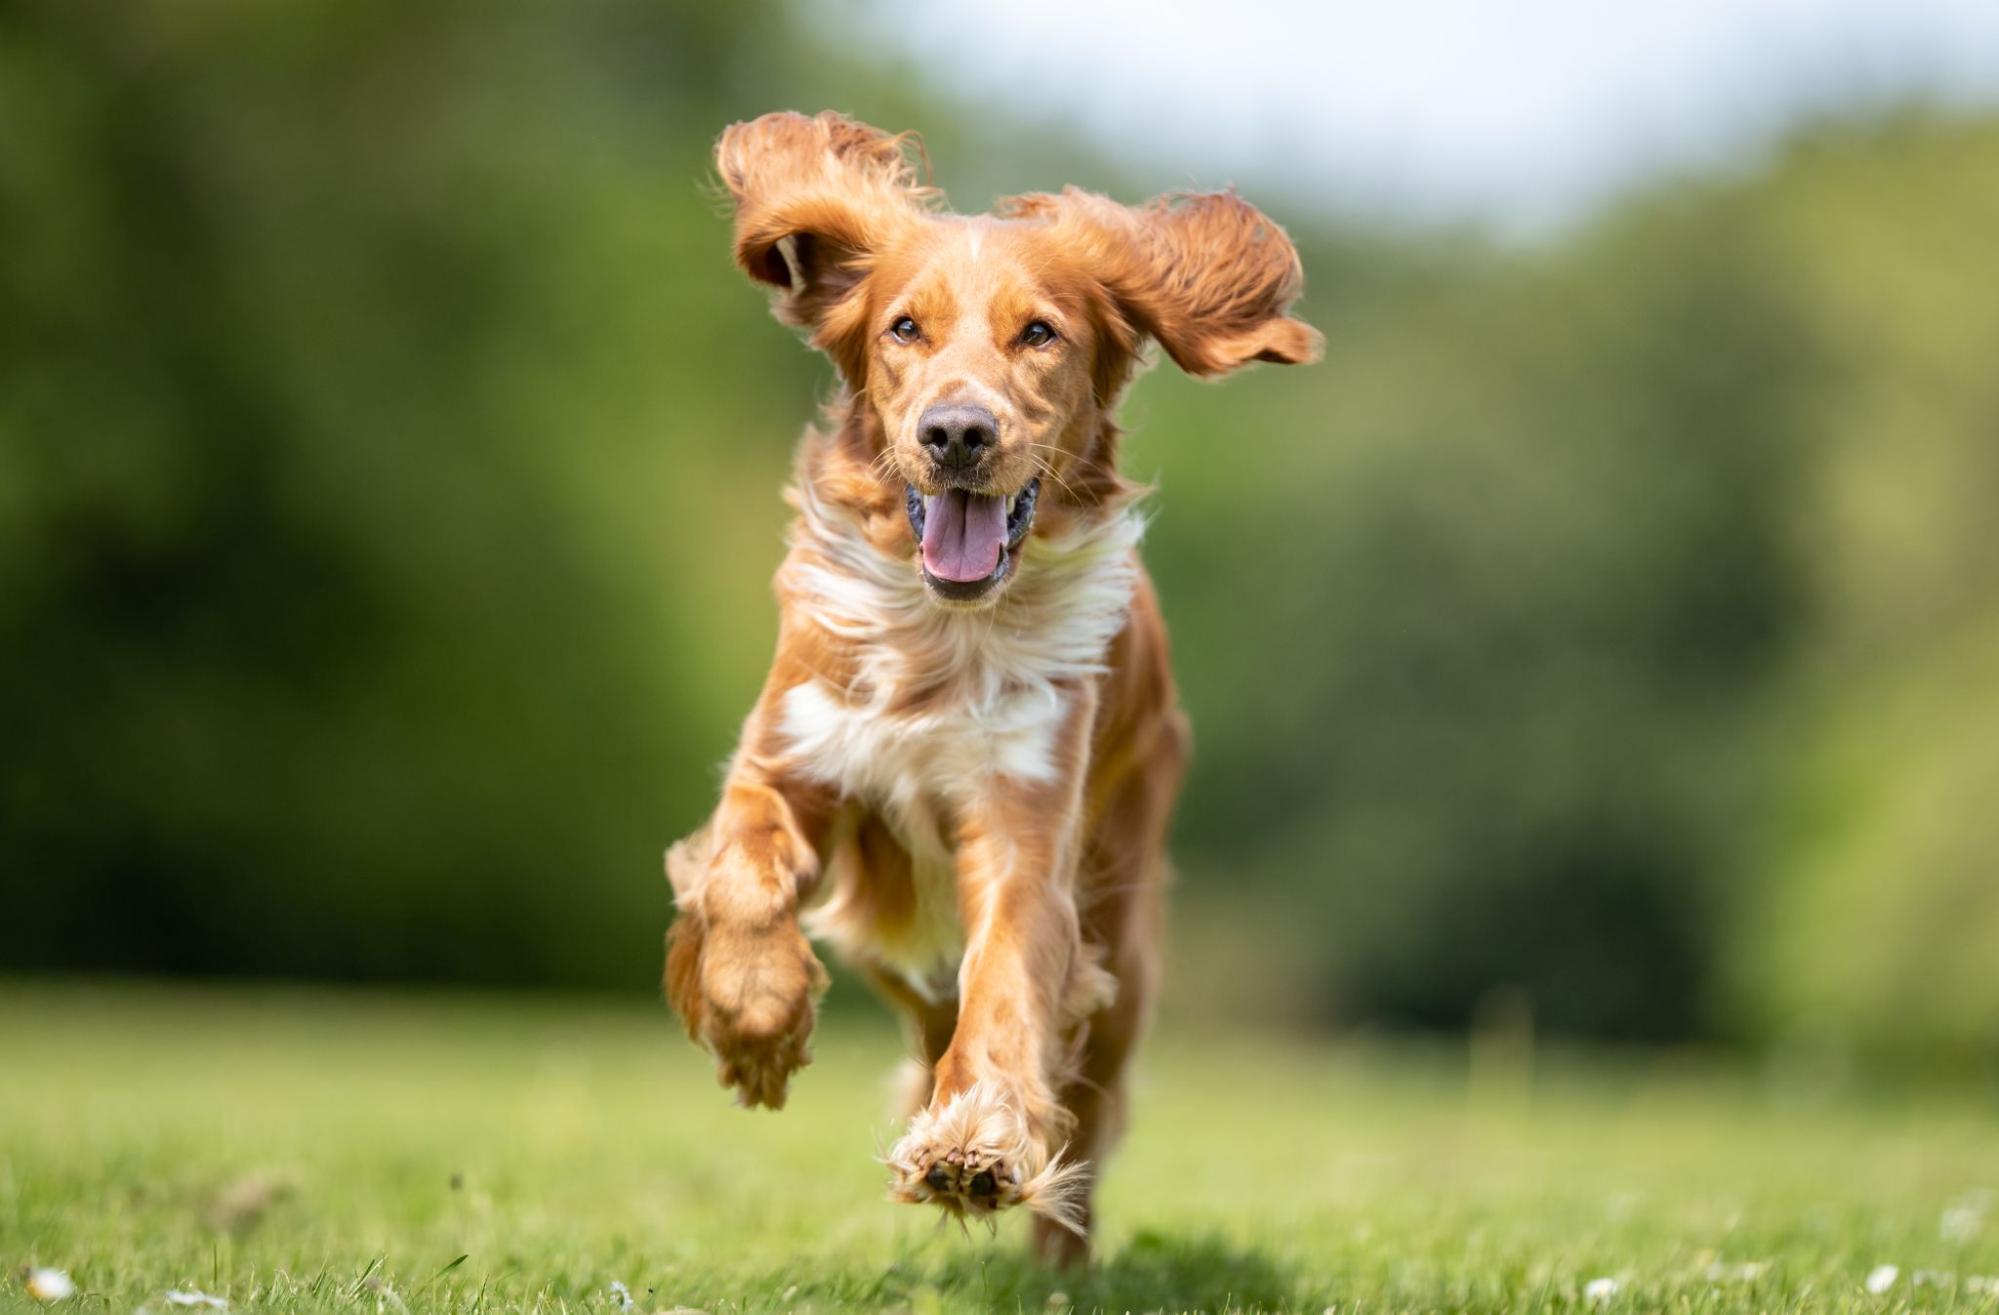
point(988, 352)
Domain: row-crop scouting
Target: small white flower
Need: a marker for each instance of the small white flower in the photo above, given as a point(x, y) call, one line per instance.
point(1882, 1278)
point(1961, 1223)
point(1984, 1285)
point(1746, 1272)
point(621, 1294)
point(1603, 1289)
point(196, 1300)
point(47, 1285)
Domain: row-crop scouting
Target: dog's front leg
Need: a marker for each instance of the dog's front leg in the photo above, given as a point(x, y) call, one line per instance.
point(993, 1131)
point(738, 969)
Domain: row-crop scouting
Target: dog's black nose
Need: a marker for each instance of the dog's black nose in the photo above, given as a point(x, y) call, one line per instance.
point(957, 436)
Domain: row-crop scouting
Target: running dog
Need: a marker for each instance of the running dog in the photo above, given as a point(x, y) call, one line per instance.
point(960, 770)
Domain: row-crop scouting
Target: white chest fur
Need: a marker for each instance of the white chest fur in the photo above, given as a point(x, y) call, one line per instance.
point(910, 769)
point(943, 702)
point(948, 751)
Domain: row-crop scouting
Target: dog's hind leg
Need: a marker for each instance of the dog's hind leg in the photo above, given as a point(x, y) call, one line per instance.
point(928, 1027)
point(1121, 891)
point(1095, 1093)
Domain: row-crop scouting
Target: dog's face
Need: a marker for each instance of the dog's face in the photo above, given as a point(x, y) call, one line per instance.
point(979, 373)
point(990, 351)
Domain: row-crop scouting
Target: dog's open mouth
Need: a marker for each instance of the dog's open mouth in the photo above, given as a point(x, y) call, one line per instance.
point(968, 539)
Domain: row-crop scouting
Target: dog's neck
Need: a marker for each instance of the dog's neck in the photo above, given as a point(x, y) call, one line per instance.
point(851, 574)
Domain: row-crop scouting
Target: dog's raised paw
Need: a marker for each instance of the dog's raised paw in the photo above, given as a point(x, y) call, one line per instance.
point(974, 1156)
point(753, 996)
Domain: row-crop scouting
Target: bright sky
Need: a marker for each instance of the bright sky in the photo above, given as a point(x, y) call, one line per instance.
point(1517, 112)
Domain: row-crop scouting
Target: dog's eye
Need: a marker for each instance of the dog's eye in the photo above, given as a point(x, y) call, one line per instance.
point(1037, 334)
point(904, 330)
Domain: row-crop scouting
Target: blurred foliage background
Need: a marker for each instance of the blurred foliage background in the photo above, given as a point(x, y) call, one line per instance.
point(389, 460)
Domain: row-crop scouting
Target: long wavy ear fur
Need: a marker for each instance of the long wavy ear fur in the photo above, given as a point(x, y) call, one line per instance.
point(815, 199)
point(1205, 274)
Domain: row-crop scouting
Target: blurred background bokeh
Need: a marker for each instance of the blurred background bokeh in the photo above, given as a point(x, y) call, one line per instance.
point(1606, 634)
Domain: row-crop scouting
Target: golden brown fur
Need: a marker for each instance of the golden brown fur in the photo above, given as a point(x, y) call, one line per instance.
point(968, 799)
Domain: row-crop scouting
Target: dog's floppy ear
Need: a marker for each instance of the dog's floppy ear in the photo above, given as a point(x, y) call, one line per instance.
point(1205, 274)
point(815, 198)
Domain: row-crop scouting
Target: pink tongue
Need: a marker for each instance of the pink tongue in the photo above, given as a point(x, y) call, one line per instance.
point(963, 534)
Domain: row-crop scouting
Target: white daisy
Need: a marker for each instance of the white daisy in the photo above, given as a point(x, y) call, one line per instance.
point(1961, 1222)
point(46, 1285)
point(1746, 1272)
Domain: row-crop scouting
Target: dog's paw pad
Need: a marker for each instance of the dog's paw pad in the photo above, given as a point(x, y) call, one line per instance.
point(964, 1181)
point(974, 1156)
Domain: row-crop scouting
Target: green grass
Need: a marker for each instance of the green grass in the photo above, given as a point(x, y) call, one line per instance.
point(557, 1147)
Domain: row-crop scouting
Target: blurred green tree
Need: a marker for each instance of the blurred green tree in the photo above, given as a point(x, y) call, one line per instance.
point(388, 471)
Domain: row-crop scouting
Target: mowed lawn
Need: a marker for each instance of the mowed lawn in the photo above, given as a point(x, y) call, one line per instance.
point(293, 1151)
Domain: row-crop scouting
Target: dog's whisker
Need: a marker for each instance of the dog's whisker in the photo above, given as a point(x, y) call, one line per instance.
point(1047, 467)
point(1048, 464)
point(1049, 471)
